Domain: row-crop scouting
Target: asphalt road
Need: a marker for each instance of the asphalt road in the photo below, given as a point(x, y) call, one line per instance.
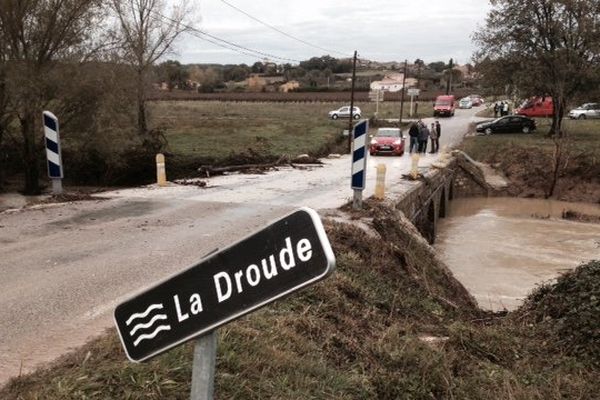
point(64, 267)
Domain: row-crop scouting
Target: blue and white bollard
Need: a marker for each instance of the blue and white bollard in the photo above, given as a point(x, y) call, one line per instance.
point(359, 161)
point(53, 153)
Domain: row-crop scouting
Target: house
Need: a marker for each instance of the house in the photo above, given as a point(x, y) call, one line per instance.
point(260, 82)
point(392, 82)
point(290, 85)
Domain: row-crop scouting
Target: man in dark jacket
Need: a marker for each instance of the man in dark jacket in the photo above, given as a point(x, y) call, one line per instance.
point(423, 137)
point(413, 133)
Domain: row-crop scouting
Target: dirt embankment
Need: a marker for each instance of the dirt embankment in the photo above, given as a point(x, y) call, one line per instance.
point(391, 322)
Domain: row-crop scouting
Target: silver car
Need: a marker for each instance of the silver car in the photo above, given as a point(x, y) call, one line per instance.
point(588, 110)
point(344, 112)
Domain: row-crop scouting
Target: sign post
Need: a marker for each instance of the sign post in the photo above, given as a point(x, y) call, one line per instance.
point(412, 92)
point(284, 257)
point(53, 153)
point(359, 161)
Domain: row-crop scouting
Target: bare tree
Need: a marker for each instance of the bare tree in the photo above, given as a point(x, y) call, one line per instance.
point(39, 35)
point(148, 33)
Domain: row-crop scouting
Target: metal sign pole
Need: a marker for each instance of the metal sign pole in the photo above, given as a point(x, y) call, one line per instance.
point(203, 369)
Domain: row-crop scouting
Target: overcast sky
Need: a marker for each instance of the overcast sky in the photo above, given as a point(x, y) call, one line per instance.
point(381, 30)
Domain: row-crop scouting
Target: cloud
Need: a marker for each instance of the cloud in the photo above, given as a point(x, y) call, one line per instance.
point(381, 30)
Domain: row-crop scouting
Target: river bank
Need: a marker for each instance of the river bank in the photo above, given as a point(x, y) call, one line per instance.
point(391, 322)
point(528, 161)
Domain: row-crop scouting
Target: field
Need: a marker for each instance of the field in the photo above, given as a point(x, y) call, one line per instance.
point(527, 159)
point(200, 132)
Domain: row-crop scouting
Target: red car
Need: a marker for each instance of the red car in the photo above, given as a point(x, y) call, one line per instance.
point(387, 141)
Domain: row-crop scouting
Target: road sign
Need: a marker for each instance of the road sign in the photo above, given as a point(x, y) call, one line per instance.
point(53, 152)
point(286, 256)
point(359, 154)
point(376, 95)
point(413, 92)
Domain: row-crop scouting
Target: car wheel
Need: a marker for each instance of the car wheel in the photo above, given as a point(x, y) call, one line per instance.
point(401, 154)
point(334, 116)
point(356, 116)
point(526, 129)
point(582, 116)
point(488, 131)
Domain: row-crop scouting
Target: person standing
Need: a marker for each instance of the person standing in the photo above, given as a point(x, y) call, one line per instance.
point(505, 108)
point(423, 138)
point(413, 133)
point(435, 145)
point(438, 129)
point(496, 109)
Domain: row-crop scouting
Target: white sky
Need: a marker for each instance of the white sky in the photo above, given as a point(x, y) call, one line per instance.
point(381, 30)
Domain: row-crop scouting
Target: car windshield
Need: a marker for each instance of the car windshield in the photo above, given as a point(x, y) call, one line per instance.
point(442, 103)
point(392, 132)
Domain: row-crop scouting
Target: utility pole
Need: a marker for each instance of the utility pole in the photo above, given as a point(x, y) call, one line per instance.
point(449, 83)
point(402, 94)
point(351, 104)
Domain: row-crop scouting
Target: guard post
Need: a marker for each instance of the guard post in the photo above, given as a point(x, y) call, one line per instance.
point(53, 153)
point(359, 161)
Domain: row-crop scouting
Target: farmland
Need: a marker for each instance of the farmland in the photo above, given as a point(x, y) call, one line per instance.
point(215, 132)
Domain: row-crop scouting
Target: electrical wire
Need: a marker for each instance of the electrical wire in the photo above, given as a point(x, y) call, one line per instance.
point(282, 32)
point(224, 43)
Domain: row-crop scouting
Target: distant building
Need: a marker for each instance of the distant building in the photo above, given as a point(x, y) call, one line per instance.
point(290, 85)
point(392, 82)
point(260, 82)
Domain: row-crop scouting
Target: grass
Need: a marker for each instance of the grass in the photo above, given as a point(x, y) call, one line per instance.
point(357, 335)
point(206, 131)
point(527, 159)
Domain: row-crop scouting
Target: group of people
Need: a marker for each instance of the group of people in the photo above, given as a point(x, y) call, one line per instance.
point(420, 134)
point(501, 108)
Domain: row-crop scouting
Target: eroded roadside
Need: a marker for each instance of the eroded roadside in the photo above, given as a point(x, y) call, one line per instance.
point(391, 322)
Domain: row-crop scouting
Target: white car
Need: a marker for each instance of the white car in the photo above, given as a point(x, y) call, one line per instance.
point(588, 110)
point(344, 112)
point(465, 103)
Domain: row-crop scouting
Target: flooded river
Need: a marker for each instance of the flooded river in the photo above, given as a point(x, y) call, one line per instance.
point(501, 248)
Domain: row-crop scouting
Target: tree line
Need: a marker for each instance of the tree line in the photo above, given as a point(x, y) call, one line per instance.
point(88, 61)
point(542, 48)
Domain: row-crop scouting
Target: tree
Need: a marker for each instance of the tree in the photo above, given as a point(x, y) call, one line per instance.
point(173, 73)
point(147, 34)
point(39, 35)
point(543, 47)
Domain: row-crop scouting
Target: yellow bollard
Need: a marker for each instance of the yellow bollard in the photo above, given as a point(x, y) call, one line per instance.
point(161, 173)
point(380, 182)
point(414, 171)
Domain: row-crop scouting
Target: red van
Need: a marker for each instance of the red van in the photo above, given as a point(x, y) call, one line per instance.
point(444, 105)
point(536, 107)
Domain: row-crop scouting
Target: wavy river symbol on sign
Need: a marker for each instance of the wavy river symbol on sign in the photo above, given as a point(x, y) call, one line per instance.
point(151, 324)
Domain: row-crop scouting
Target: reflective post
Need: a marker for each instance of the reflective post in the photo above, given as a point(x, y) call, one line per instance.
point(161, 173)
point(414, 170)
point(380, 182)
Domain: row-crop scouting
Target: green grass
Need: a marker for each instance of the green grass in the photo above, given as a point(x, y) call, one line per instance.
point(202, 130)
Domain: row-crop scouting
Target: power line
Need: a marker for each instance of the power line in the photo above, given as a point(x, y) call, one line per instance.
point(282, 32)
point(225, 43)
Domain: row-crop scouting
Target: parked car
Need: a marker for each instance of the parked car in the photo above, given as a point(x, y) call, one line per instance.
point(387, 141)
point(507, 124)
point(476, 100)
point(536, 107)
point(344, 112)
point(444, 105)
point(465, 103)
point(588, 110)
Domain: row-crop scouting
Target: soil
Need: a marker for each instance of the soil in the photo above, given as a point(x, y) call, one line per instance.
point(528, 176)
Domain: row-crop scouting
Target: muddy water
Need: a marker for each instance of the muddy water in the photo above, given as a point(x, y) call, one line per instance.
point(501, 248)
